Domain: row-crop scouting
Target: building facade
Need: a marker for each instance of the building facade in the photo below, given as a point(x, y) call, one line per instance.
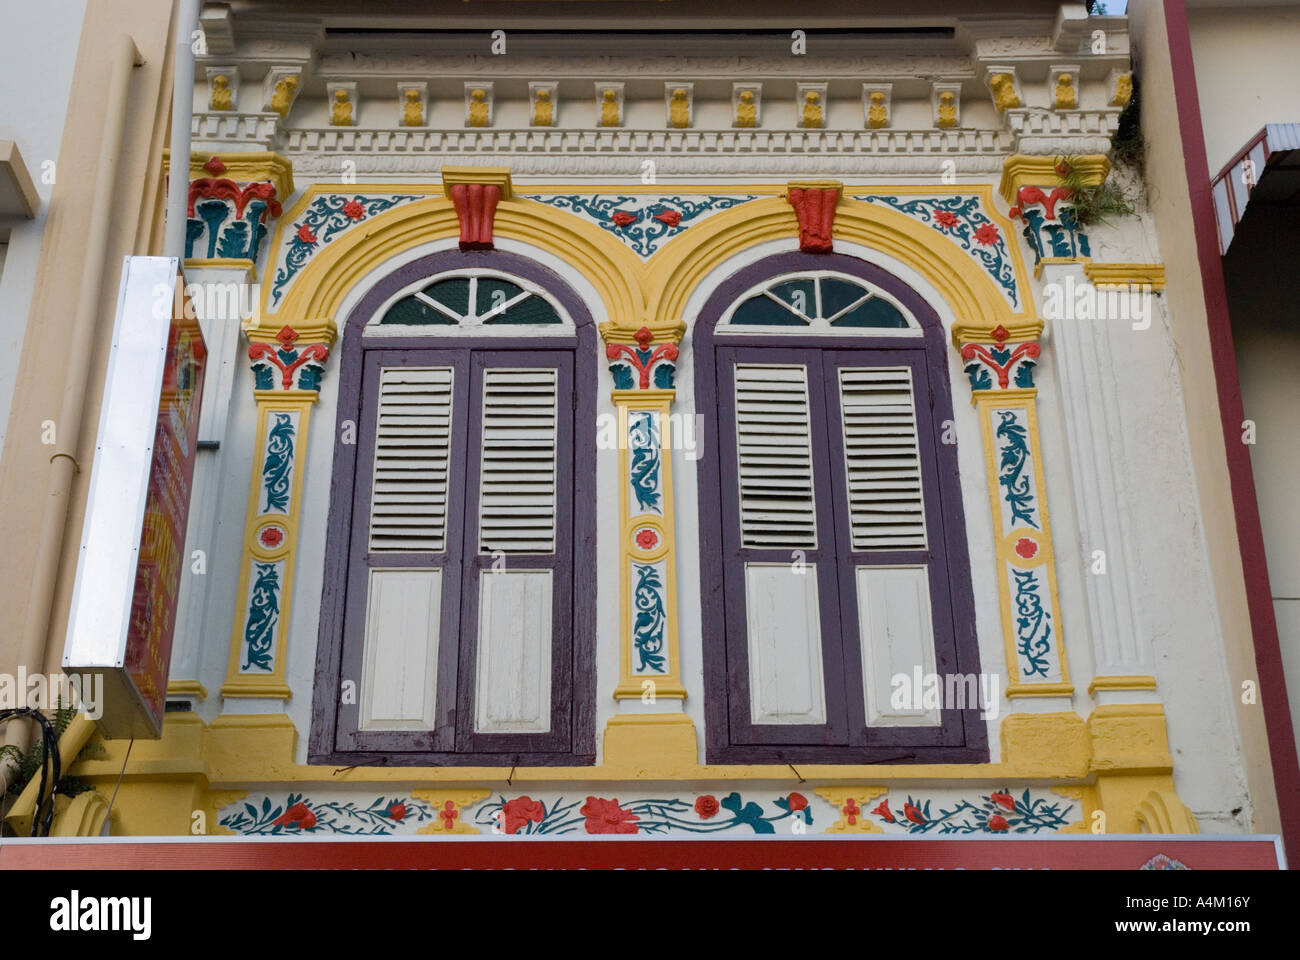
point(736, 426)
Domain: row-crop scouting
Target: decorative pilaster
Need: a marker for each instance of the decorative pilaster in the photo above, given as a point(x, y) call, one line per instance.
point(647, 570)
point(814, 203)
point(475, 193)
point(233, 200)
point(287, 371)
point(1000, 364)
point(1084, 371)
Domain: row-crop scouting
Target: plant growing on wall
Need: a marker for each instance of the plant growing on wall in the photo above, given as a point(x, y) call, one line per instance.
point(31, 762)
point(1095, 204)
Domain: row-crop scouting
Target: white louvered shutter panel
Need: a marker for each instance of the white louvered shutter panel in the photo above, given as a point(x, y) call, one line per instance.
point(774, 447)
point(881, 455)
point(408, 507)
point(517, 483)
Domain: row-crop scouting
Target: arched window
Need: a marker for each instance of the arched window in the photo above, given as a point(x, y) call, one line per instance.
point(461, 508)
point(833, 546)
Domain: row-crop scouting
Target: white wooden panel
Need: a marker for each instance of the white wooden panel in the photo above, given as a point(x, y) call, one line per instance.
point(774, 447)
point(786, 682)
point(897, 637)
point(400, 678)
point(513, 680)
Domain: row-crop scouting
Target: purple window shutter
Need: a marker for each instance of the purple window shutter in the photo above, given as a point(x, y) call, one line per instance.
point(940, 550)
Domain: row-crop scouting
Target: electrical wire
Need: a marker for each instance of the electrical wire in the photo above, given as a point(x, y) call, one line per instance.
point(51, 768)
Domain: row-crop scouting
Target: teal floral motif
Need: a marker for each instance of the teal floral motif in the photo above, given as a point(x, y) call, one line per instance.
point(524, 816)
point(263, 615)
point(961, 218)
point(278, 464)
point(643, 437)
point(649, 629)
point(998, 812)
point(644, 224)
point(1060, 239)
point(1033, 627)
point(324, 219)
point(1012, 475)
point(299, 815)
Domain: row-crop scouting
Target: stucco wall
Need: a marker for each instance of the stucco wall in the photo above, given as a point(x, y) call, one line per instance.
point(1247, 73)
point(31, 115)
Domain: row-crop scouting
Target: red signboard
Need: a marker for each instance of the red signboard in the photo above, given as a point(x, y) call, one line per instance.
point(162, 541)
point(603, 853)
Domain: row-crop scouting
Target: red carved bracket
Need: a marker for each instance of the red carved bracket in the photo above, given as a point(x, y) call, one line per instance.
point(223, 189)
point(815, 209)
point(1031, 195)
point(642, 359)
point(476, 207)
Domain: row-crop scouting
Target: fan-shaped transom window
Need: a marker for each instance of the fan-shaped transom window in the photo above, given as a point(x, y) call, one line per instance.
point(818, 302)
point(472, 302)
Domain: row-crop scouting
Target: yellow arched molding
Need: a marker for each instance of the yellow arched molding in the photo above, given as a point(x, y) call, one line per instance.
point(678, 268)
point(1162, 812)
point(651, 293)
point(319, 291)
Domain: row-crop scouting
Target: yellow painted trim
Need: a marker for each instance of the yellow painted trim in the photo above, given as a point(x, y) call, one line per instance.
point(1122, 683)
point(651, 293)
point(494, 175)
point(1023, 170)
point(82, 816)
point(227, 263)
point(273, 684)
point(839, 796)
point(668, 684)
point(977, 332)
point(242, 168)
point(1126, 274)
point(986, 401)
point(187, 688)
point(459, 799)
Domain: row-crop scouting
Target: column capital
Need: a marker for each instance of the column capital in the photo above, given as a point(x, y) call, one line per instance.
point(814, 203)
point(293, 358)
point(999, 351)
point(1027, 170)
point(633, 366)
point(232, 199)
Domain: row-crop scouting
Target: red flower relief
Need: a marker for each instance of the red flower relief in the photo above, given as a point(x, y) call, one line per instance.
point(946, 218)
point(272, 537)
point(913, 814)
point(987, 235)
point(305, 234)
point(297, 817)
point(214, 165)
point(851, 810)
point(882, 810)
point(606, 816)
point(353, 210)
point(646, 539)
point(622, 218)
point(797, 802)
point(519, 811)
point(670, 217)
point(1027, 549)
point(706, 806)
point(1004, 800)
point(449, 813)
point(1063, 169)
point(998, 823)
point(397, 811)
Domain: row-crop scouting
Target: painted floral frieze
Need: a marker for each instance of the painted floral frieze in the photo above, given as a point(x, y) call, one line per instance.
point(299, 814)
point(523, 815)
point(327, 217)
point(961, 218)
point(643, 222)
point(996, 813)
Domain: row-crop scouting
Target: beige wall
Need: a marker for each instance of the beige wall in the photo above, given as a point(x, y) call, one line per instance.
point(1171, 207)
point(42, 371)
point(1263, 287)
point(1247, 73)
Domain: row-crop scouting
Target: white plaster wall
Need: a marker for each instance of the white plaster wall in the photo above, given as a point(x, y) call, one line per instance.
point(1247, 73)
point(35, 77)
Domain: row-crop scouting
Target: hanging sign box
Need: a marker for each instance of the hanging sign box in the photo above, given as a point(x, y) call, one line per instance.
point(132, 558)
